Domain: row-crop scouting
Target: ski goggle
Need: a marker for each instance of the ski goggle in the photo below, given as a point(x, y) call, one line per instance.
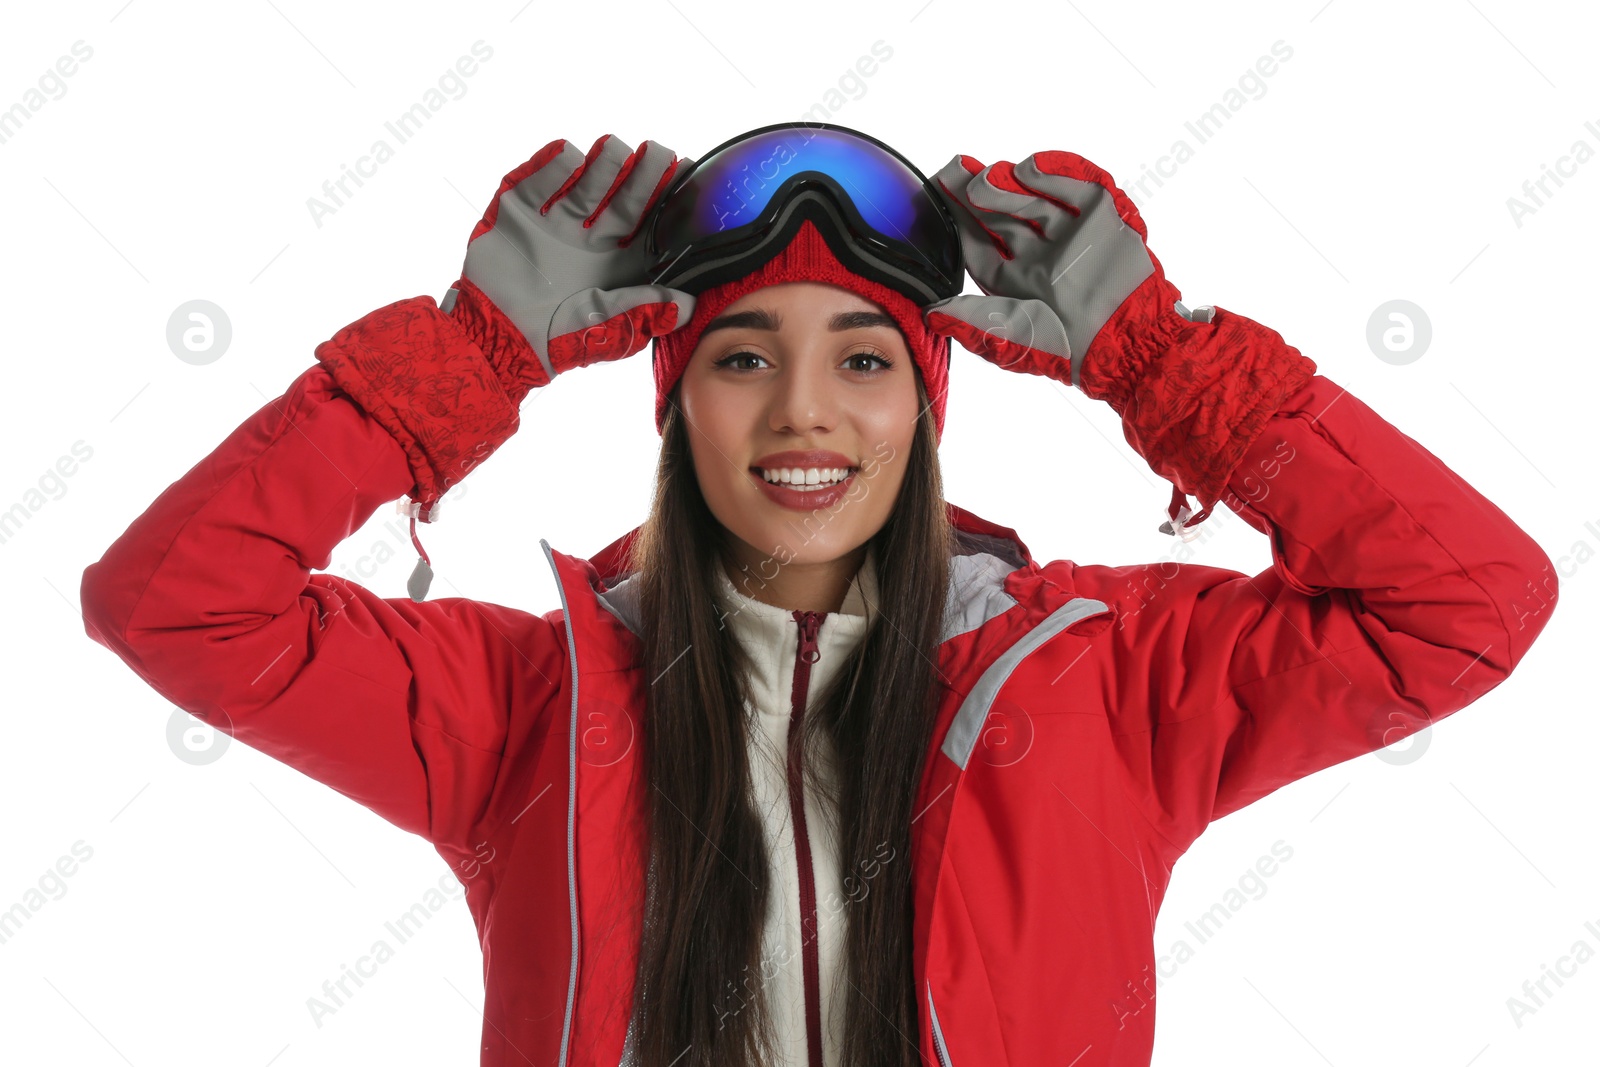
point(743, 201)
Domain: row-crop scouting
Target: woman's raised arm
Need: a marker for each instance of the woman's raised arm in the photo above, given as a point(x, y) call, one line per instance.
point(407, 708)
point(410, 708)
point(1397, 595)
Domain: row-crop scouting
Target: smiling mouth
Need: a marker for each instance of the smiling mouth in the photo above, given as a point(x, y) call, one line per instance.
point(805, 481)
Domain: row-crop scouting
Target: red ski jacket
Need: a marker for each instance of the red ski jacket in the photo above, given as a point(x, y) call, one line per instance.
point(1137, 704)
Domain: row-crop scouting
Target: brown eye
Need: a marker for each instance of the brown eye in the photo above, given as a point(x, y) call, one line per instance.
point(885, 360)
point(731, 356)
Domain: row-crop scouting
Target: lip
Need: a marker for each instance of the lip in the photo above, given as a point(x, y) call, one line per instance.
point(804, 458)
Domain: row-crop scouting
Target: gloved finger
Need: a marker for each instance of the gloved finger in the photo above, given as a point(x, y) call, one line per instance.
point(621, 212)
point(1016, 216)
point(546, 171)
point(583, 192)
point(1006, 177)
point(996, 188)
point(1071, 177)
point(530, 184)
point(953, 179)
point(1046, 167)
point(668, 176)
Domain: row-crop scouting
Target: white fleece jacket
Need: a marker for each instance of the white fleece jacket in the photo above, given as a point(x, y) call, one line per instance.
point(771, 635)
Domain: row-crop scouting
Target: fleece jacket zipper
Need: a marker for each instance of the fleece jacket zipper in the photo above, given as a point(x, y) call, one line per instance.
point(805, 655)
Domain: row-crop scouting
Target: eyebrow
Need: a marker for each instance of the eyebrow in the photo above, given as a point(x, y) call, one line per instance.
point(767, 319)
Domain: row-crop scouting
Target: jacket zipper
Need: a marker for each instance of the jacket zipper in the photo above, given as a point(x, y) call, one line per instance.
point(938, 1033)
point(572, 806)
point(806, 654)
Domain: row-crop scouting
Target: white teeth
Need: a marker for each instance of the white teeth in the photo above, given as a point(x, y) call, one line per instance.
point(819, 477)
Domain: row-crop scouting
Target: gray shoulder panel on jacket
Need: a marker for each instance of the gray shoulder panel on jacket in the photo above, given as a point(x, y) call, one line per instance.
point(975, 593)
point(962, 736)
point(622, 600)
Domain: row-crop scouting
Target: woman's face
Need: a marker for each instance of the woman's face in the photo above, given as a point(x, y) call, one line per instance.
point(794, 368)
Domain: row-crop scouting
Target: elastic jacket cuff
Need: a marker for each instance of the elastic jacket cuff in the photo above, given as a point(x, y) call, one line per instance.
point(420, 373)
point(1205, 394)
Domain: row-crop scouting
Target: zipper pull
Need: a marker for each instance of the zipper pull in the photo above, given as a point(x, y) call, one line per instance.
point(810, 623)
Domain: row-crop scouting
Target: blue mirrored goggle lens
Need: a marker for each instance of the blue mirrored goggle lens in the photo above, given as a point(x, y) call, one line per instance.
point(732, 187)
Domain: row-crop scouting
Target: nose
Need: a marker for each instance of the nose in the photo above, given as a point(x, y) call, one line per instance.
point(805, 398)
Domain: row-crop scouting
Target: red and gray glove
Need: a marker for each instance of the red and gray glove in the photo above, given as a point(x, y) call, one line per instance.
point(552, 280)
point(1073, 293)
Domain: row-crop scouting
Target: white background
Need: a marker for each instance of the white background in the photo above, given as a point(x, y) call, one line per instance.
point(1374, 164)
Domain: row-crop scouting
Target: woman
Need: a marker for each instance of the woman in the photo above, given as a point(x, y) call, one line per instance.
point(838, 774)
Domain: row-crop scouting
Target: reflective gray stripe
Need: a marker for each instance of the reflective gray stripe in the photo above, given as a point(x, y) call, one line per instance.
point(963, 733)
point(976, 592)
point(938, 1034)
point(572, 790)
point(449, 300)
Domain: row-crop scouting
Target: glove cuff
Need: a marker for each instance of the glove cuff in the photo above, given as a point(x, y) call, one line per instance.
point(1200, 395)
point(1135, 336)
point(415, 370)
point(515, 363)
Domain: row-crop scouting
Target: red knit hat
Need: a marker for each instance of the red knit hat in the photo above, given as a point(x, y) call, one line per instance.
point(807, 258)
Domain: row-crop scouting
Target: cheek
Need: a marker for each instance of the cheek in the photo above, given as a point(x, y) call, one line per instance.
point(708, 402)
point(888, 423)
point(886, 438)
point(718, 434)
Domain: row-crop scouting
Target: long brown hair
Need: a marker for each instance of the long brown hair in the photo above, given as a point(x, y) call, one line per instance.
point(698, 999)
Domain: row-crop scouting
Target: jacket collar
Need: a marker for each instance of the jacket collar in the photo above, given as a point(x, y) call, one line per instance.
point(991, 572)
point(770, 633)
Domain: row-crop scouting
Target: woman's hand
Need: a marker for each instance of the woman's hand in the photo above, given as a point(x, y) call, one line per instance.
point(1075, 294)
point(553, 279)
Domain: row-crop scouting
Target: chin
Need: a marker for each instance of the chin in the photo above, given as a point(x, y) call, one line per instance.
point(810, 539)
point(812, 552)
point(803, 540)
